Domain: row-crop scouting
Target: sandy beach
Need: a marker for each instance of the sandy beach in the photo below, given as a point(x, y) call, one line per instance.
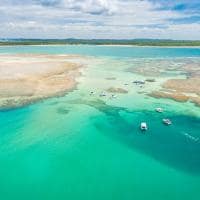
point(27, 78)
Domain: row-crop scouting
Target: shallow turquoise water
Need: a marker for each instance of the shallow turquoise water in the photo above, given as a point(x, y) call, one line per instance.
point(116, 51)
point(85, 147)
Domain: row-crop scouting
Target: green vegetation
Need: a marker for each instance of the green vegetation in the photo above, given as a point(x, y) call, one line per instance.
point(138, 42)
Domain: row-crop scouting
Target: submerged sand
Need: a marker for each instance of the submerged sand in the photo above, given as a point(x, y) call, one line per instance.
point(28, 78)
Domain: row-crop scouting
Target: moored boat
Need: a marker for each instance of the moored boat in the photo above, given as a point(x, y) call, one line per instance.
point(160, 110)
point(143, 126)
point(103, 94)
point(167, 121)
point(138, 82)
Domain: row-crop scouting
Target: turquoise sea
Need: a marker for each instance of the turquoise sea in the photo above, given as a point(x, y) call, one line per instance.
point(83, 146)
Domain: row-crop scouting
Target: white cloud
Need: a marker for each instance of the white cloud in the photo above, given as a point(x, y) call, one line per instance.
point(92, 19)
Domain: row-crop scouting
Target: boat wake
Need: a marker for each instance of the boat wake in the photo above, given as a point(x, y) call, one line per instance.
point(194, 139)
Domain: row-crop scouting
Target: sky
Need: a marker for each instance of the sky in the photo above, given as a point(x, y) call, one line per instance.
point(100, 19)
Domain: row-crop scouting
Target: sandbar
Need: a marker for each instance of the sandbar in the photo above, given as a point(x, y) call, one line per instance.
point(181, 90)
point(27, 78)
point(117, 90)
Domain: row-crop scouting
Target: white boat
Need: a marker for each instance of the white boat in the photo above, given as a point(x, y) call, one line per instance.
point(160, 110)
point(103, 94)
point(143, 126)
point(113, 96)
point(167, 121)
point(139, 82)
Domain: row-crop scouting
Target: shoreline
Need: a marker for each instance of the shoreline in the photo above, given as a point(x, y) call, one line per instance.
point(114, 45)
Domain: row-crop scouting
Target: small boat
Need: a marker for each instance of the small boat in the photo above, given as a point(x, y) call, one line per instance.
point(103, 94)
point(91, 93)
point(143, 126)
point(167, 121)
point(160, 110)
point(113, 96)
point(139, 82)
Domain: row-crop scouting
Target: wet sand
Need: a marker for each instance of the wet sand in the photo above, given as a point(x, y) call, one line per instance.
point(179, 78)
point(181, 90)
point(117, 90)
point(27, 78)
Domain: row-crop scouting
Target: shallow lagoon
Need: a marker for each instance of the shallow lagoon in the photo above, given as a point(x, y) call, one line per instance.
point(83, 146)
